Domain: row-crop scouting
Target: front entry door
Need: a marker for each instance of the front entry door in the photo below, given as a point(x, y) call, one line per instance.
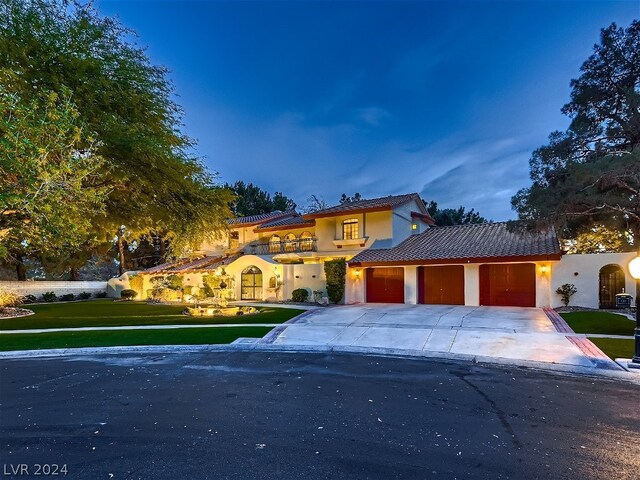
point(251, 284)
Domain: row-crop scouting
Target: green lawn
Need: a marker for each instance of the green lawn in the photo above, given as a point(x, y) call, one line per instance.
point(105, 313)
point(614, 347)
point(183, 336)
point(599, 322)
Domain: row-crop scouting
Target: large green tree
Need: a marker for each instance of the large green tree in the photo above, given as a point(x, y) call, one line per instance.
point(453, 216)
point(589, 175)
point(155, 183)
point(250, 199)
point(49, 175)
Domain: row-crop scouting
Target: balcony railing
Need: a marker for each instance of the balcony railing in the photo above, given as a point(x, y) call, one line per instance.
point(286, 246)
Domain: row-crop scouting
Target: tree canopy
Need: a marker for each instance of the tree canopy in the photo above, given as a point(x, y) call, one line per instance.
point(149, 178)
point(589, 175)
point(347, 199)
point(453, 216)
point(252, 200)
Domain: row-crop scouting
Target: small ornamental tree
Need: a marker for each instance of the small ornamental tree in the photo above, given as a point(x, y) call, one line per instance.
point(566, 291)
point(335, 271)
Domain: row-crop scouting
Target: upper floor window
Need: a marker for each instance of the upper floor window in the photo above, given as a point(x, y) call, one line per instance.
point(350, 229)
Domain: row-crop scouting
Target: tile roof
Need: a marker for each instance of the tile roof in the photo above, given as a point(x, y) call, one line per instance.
point(184, 265)
point(257, 219)
point(197, 264)
point(222, 262)
point(371, 205)
point(466, 243)
point(295, 220)
point(164, 266)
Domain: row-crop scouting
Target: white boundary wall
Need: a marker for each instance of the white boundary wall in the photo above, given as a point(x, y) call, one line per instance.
point(584, 272)
point(62, 287)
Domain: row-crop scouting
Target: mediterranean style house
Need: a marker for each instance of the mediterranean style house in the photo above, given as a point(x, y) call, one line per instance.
point(396, 254)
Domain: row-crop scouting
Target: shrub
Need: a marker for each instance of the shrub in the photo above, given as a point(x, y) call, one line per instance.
point(101, 295)
point(29, 299)
point(49, 297)
point(566, 291)
point(67, 297)
point(84, 295)
point(300, 295)
point(128, 294)
point(335, 271)
point(9, 299)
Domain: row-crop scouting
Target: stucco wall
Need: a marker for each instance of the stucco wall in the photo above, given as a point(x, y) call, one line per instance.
point(402, 222)
point(587, 267)
point(37, 288)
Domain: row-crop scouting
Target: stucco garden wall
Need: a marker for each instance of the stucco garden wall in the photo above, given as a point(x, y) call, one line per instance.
point(37, 288)
point(583, 271)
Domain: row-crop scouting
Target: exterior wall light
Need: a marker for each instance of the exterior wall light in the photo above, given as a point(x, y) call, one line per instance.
point(356, 272)
point(543, 269)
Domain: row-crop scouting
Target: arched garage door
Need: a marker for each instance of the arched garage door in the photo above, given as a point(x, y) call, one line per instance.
point(385, 285)
point(510, 285)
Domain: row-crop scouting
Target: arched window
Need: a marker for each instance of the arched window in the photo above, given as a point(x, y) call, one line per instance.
point(274, 244)
point(350, 229)
point(611, 283)
point(289, 242)
point(251, 283)
point(306, 242)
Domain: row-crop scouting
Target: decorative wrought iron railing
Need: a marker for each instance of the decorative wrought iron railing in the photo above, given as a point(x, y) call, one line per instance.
point(285, 246)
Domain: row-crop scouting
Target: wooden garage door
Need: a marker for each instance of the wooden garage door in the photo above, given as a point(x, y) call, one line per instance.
point(508, 285)
point(385, 285)
point(443, 285)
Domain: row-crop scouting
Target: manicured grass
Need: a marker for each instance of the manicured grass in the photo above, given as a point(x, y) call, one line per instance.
point(183, 336)
point(599, 322)
point(105, 313)
point(614, 347)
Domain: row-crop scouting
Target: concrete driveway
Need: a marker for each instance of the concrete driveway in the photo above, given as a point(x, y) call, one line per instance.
point(499, 332)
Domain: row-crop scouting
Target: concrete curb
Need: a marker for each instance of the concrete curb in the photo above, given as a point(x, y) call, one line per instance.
point(565, 369)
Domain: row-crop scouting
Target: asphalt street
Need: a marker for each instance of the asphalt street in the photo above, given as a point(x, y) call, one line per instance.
point(310, 416)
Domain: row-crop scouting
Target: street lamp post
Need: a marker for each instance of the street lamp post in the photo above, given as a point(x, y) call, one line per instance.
point(634, 269)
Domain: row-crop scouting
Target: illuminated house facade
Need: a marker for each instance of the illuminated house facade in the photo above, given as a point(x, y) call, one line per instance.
point(396, 254)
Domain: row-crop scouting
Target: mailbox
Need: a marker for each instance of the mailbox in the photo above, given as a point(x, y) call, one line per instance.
point(623, 300)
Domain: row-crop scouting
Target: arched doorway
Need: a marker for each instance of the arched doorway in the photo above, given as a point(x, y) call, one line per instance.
point(251, 283)
point(611, 283)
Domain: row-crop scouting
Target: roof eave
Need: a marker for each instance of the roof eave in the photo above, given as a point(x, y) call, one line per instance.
point(448, 261)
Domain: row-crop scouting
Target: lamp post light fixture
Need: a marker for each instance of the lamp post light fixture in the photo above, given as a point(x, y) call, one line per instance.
point(634, 270)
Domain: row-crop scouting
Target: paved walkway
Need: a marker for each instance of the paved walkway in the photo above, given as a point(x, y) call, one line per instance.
point(499, 332)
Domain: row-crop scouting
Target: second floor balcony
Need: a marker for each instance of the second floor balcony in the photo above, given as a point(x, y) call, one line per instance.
point(298, 245)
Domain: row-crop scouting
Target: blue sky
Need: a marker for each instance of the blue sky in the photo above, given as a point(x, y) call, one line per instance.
point(447, 99)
